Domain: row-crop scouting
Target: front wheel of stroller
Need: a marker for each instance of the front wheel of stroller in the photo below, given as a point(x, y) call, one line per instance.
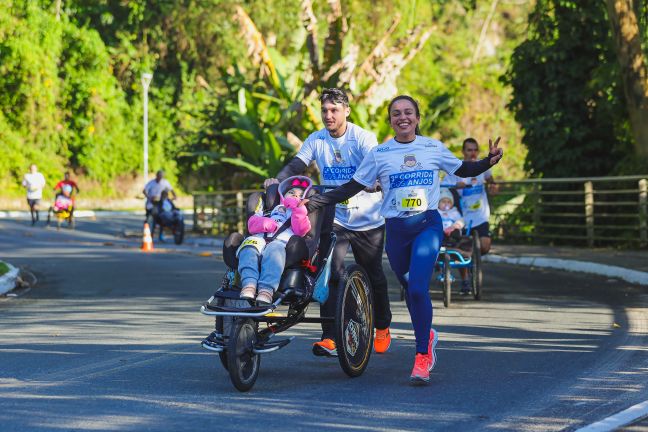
point(475, 266)
point(242, 363)
point(178, 232)
point(447, 281)
point(354, 324)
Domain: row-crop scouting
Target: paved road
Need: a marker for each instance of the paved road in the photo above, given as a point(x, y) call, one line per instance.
point(109, 340)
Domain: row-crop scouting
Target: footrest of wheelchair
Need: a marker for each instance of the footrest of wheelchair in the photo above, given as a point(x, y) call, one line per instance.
point(228, 294)
point(212, 346)
point(271, 346)
point(252, 311)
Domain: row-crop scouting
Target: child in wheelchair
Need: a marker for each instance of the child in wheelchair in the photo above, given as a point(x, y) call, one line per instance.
point(63, 202)
point(262, 255)
point(453, 224)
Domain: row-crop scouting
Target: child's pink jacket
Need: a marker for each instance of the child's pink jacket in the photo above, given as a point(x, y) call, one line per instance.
point(299, 222)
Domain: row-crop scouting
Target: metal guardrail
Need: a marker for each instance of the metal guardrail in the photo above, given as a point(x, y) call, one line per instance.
point(591, 211)
point(584, 211)
point(220, 212)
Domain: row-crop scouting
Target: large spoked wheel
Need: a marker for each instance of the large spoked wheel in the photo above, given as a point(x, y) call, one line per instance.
point(242, 363)
point(178, 232)
point(447, 281)
point(354, 321)
point(476, 267)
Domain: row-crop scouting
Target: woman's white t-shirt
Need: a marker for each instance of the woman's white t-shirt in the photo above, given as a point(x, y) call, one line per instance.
point(408, 174)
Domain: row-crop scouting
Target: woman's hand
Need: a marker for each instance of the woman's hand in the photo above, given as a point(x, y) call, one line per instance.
point(494, 153)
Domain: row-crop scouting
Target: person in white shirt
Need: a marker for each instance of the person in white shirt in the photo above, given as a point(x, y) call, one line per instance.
point(338, 150)
point(153, 191)
point(34, 182)
point(408, 168)
point(474, 196)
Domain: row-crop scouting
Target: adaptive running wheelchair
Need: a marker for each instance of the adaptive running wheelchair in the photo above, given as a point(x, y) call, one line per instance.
point(454, 256)
point(63, 208)
point(245, 330)
point(460, 250)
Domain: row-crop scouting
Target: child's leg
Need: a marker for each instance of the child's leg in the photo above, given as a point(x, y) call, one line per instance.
point(248, 266)
point(273, 261)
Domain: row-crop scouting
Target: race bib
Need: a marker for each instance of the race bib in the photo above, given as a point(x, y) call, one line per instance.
point(348, 204)
point(475, 205)
point(408, 200)
point(256, 242)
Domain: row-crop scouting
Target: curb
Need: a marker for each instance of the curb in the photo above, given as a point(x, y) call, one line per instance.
point(628, 275)
point(8, 280)
point(18, 214)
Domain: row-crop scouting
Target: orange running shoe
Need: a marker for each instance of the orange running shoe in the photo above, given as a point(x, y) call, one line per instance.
point(325, 348)
point(421, 371)
point(382, 341)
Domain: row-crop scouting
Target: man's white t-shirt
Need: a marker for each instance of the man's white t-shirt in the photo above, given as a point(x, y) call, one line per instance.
point(408, 174)
point(154, 189)
point(34, 182)
point(337, 160)
point(474, 199)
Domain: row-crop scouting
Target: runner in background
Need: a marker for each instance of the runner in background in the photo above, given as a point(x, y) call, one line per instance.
point(34, 182)
point(474, 196)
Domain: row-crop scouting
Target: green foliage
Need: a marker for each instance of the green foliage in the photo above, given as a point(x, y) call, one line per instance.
point(71, 95)
point(567, 92)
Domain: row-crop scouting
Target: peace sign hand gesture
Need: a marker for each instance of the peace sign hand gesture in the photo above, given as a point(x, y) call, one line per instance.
point(494, 153)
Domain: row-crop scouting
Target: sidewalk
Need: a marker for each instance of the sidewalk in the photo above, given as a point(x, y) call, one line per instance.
point(628, 265)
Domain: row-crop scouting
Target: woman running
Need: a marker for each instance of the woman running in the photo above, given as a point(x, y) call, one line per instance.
point(407, 167)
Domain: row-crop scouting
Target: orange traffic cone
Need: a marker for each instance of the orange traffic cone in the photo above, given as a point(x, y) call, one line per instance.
point(147, 240)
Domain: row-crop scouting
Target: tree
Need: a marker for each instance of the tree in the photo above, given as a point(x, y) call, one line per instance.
point(634, 73)
point(567, 92)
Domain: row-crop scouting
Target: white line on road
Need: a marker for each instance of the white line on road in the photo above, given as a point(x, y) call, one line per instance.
point(628, 275)
point(618, 420)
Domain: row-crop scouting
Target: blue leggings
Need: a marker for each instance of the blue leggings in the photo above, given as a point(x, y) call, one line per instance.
point(412, 247)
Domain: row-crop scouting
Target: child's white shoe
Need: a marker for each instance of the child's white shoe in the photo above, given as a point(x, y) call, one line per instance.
point(264, 297)
point(248, 292)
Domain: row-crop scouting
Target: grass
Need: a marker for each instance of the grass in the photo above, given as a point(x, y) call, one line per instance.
point(4, 268)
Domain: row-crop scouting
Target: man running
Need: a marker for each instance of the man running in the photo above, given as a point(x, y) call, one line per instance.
point(66, 181)
point(338, 150)
point(474, 200)
point(34, 182)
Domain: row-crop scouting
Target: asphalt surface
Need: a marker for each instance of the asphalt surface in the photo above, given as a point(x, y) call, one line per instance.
point(109, 340)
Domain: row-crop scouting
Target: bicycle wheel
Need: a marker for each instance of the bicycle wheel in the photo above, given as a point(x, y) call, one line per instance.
point(475, 266)
point(354, 322)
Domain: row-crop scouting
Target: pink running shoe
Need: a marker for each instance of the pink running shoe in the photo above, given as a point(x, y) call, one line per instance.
point(434, 338)
point(421, 371)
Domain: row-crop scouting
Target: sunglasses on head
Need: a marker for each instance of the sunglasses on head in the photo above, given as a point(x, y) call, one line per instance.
point(300, 183)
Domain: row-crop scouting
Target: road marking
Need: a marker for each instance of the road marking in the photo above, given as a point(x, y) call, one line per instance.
point(618, 420)
point(628, 275)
